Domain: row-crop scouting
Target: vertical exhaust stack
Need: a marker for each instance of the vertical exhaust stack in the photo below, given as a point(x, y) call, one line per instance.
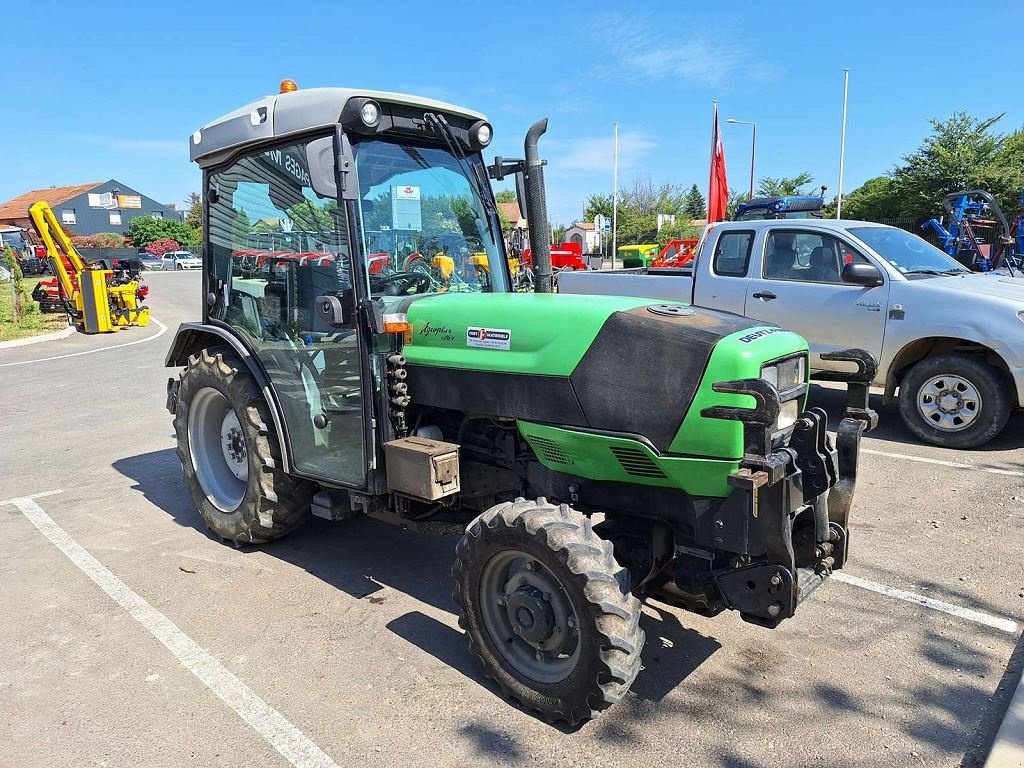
point(537, 207)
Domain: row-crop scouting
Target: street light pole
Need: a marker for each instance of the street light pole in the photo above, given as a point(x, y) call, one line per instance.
point(753, 149)
point(615, 195)
point(842, 146)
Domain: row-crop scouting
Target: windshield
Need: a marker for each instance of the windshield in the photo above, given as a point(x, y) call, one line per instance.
point(425, 227)
point(906, 252)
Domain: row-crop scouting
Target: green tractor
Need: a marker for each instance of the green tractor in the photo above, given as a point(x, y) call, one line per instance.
point(318, 384)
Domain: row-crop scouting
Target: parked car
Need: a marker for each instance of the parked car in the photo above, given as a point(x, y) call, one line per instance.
point(181, 260)
point(149, 261)
point(949, 342)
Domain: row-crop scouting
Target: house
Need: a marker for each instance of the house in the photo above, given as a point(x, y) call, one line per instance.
point(511, 212)
point(87, 209)
point(583, 233)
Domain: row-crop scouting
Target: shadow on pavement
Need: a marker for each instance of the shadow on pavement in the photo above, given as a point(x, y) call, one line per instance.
point(361, 556)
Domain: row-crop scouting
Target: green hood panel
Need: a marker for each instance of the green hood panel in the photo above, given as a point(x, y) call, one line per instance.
point(550, 332)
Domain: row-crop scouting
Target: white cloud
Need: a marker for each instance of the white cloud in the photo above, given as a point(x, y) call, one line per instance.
point(645, 48)
point(596, 153)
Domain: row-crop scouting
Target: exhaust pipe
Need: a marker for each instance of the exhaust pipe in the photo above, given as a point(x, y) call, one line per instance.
point(537, 208)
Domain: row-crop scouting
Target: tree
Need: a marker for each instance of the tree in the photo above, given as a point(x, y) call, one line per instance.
point(194, 216)
point(694, 204)
point(308, 216)
point(735, 200)
point(143, 230)
point(17, 297)
point(598, 205)
point(784, 187)
point(874, 200)
point(558, 233)
point(506, 196)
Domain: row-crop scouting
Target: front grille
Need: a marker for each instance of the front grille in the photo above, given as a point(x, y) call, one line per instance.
point(637, 463)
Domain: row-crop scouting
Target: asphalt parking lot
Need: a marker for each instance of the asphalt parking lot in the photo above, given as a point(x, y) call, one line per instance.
point(133, 638)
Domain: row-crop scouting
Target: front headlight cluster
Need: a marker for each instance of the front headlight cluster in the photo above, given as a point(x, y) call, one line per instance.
point(786, 375)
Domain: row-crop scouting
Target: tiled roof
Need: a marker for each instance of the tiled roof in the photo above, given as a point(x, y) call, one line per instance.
point(511, 211)
point(17, 208)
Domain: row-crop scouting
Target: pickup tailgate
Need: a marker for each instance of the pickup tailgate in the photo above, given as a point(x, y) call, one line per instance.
point(670, 287)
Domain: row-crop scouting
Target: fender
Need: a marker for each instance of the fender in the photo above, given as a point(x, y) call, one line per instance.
point(190, 338)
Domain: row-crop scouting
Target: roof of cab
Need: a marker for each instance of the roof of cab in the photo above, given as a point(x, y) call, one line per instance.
point(292, 112)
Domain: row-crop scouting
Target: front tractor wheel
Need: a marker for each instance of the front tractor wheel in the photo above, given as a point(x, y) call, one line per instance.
point(229, 452)
point(547, 609)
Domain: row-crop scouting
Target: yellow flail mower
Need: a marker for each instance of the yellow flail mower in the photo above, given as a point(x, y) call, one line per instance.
point(96, 299)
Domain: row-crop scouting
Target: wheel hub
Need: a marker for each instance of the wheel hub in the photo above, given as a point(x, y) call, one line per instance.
point(530, 614)
point(233, 445)
point(950, 403)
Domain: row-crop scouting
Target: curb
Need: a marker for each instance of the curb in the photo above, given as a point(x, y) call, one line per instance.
point(1008, 749)
point(36, 339)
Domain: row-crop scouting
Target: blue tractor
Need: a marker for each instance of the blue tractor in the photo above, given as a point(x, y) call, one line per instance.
point(976, 232)
point(781, 207)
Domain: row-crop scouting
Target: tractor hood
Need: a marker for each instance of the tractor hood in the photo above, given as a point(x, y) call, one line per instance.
point(609, 363)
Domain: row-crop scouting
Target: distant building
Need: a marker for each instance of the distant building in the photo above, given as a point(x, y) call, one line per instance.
point(88, 209)
point(583, 233)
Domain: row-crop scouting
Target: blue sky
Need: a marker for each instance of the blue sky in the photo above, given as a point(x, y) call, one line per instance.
point(96, 92)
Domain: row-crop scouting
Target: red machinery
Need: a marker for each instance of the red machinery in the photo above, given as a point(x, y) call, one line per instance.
point(677, 252)
point(563, 256)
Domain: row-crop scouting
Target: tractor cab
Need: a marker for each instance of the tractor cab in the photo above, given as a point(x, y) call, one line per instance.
point(781, 207)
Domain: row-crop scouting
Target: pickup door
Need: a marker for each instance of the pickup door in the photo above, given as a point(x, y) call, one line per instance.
point(795, 283)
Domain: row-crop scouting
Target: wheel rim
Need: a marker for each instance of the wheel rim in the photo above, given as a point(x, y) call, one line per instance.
point(218, 449)
point(529, 617)
point(950, 403)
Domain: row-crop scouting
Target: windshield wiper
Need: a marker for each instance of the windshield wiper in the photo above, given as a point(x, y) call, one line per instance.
point(448, 134)
point(938, 272)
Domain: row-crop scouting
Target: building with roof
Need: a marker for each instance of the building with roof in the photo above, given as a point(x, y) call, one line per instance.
point(88, 209)
point(584, 234)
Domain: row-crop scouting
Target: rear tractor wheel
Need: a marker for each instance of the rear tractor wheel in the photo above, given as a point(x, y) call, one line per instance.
point(547, 609)
point(230, 455)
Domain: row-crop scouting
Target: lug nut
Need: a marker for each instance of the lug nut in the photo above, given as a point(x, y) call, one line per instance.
point(531, 566)
point(775, 580)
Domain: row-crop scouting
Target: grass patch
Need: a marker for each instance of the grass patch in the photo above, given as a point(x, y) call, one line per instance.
point(33, 322)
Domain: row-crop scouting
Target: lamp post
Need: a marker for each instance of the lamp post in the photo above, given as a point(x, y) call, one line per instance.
point(842, 146)
point(615, 194)
point(753, 149)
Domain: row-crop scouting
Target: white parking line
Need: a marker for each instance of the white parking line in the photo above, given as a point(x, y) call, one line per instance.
point(42, 495)
point(288, 740)
point(161, 332)
point(996, 622)
point(940, 462)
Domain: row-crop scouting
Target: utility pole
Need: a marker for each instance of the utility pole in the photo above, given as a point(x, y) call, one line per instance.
point(842, 146)
point(753, 149)
point(615, 196)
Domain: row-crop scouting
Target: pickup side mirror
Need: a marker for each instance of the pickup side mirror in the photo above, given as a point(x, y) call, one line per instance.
point(862, 274)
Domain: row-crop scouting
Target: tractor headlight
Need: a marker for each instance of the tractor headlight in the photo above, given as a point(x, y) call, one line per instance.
point(786, 374)
point(369, 113)
point(788, 415)
point(480, 134)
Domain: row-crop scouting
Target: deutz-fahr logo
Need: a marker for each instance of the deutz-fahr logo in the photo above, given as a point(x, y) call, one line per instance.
point(761, 334)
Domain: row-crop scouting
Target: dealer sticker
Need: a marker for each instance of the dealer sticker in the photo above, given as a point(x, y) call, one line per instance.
point(489, 338)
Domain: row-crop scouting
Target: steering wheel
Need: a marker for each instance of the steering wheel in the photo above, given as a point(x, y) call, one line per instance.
point(400, 283)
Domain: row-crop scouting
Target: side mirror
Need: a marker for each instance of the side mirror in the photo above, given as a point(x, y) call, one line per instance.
point(862, 274)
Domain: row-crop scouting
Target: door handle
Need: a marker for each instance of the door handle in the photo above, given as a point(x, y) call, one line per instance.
point(764, 295)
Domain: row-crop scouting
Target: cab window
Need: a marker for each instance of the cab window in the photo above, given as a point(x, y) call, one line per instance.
point(808, 257)
point(732, 253)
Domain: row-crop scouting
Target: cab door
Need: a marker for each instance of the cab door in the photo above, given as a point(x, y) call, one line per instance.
point(800, 287)
point(316, 369)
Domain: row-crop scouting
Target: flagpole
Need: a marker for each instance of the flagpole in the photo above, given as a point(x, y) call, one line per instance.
point(711, 165)
point(615, 195)
point(842, 146)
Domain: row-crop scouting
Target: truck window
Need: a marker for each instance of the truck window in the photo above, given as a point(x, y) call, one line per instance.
point(805, 256)
point(732, 253)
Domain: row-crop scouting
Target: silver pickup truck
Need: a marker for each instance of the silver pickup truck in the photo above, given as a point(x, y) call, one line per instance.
point(950, 343)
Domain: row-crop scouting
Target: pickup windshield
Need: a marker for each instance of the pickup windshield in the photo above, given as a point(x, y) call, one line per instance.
point(426, 225)
point(908, 253)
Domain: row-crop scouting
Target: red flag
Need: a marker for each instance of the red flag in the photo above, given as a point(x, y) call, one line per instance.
point(718, 189)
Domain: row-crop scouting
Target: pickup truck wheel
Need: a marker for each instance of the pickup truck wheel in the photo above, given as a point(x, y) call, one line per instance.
point(547, 609)
point(956, 401)
point(229, 452)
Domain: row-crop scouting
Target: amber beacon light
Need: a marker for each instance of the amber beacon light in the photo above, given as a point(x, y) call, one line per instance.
point(287, 86)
